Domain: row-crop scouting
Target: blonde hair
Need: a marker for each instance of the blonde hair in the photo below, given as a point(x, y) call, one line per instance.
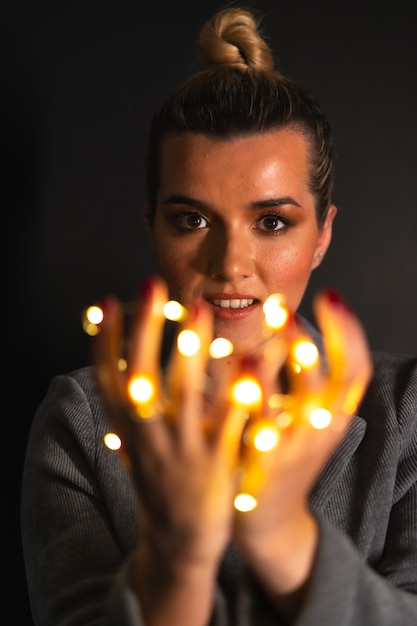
point(232, 38)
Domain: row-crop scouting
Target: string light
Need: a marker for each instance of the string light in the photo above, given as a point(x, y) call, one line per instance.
point(246, 391)
point(263, 434)
point(112, 441)
point(276, 313)
point(305, 353)
point(91, 320)
point(220, 348)
point(188, 342)
point(244, 502)
point(174, 311)
point(320, 418)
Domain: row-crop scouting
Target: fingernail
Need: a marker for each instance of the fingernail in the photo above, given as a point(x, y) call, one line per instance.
point(147, 289)
point(335, 299)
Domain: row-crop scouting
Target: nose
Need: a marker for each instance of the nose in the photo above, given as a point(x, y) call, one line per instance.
point(230, 256)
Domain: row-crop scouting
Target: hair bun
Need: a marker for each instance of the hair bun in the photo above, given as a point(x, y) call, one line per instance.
point(231, 38)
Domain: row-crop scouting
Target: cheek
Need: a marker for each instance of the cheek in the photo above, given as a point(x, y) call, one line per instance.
point(168, 261)
point(288, 273)
point(173, 266)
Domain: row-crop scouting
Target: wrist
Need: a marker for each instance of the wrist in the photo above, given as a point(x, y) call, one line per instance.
point(175, 590)
point(282, 563)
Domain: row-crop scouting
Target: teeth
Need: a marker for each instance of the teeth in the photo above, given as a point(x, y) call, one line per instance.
point(235, 303)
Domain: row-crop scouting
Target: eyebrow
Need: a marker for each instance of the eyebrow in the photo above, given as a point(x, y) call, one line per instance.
point(257, 204)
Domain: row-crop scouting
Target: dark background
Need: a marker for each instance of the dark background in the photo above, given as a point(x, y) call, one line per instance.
point(80, 81)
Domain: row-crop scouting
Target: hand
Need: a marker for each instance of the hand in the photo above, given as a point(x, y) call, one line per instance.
point(184, 461)
point(181, 460)
point(279, 536)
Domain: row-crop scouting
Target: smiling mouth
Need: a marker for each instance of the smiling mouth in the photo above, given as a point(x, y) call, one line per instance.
point(233, 303)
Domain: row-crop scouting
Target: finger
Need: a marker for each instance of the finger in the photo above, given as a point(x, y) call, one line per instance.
point(144, 377)
point(186, 375)
point(305, 376)
point(248, 397)
point(349, 363)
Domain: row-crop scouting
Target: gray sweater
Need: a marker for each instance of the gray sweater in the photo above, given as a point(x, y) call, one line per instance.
point(79, 517)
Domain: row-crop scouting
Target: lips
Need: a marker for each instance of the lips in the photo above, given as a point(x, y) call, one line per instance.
point(232, 306)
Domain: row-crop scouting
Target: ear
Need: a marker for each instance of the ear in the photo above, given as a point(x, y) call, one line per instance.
point(325, 237)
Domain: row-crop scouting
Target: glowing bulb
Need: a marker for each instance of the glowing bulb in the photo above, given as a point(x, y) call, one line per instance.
point(94, 314)
point(247, 391)
point(267, 438)
point(141, 389)
point(276, 400)
point(320, 418)
point(122, 365)
point(276, 314)
point(174, 311)
point(90, 329)
point(188, 342)
point(92, 317)
point(284, 419)
point(112, 441)
point(305, 353)
point(220, 347)
point(245, 502)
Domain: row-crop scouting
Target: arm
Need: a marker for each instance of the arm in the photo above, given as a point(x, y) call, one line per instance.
point(79, 515)
point(371, 579)
point(74, 494)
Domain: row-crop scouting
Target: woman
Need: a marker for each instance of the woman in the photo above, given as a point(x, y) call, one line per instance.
point(240, 184)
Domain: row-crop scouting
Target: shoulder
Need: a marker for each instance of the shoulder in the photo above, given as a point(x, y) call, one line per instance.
point(75, 384)
point(395, 376)
point(392, 393)
point(73, 399)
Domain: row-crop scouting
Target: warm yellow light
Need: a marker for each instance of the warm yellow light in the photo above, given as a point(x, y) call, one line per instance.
point(276, 400)
point(188, 342)
point(94, 314)
point(141, 389)
point(320, 418)
point(247, 391)
point(122, 365)
point(90, 329)
point(267, 438)
point(305, 353)
point(112, 441)
point(284, 419)
point(245, 502)
point(276, 314)
point(220, 347)
point(174, 311)
point(92, 318)
point(352, 399)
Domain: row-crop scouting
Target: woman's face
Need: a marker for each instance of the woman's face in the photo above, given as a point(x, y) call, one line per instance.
point(234, 223)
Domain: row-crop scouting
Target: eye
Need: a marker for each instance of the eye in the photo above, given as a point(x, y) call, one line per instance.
point(190, 221)
point(271, 223)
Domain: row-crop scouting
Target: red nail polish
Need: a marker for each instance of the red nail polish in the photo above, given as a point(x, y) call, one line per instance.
point(146, 290)
point(336, 300)
point(107, 303)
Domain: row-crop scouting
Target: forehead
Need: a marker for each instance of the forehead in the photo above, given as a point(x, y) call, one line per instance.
point(276, 158)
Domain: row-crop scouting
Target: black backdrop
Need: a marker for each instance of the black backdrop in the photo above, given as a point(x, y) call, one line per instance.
point(79, 84)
